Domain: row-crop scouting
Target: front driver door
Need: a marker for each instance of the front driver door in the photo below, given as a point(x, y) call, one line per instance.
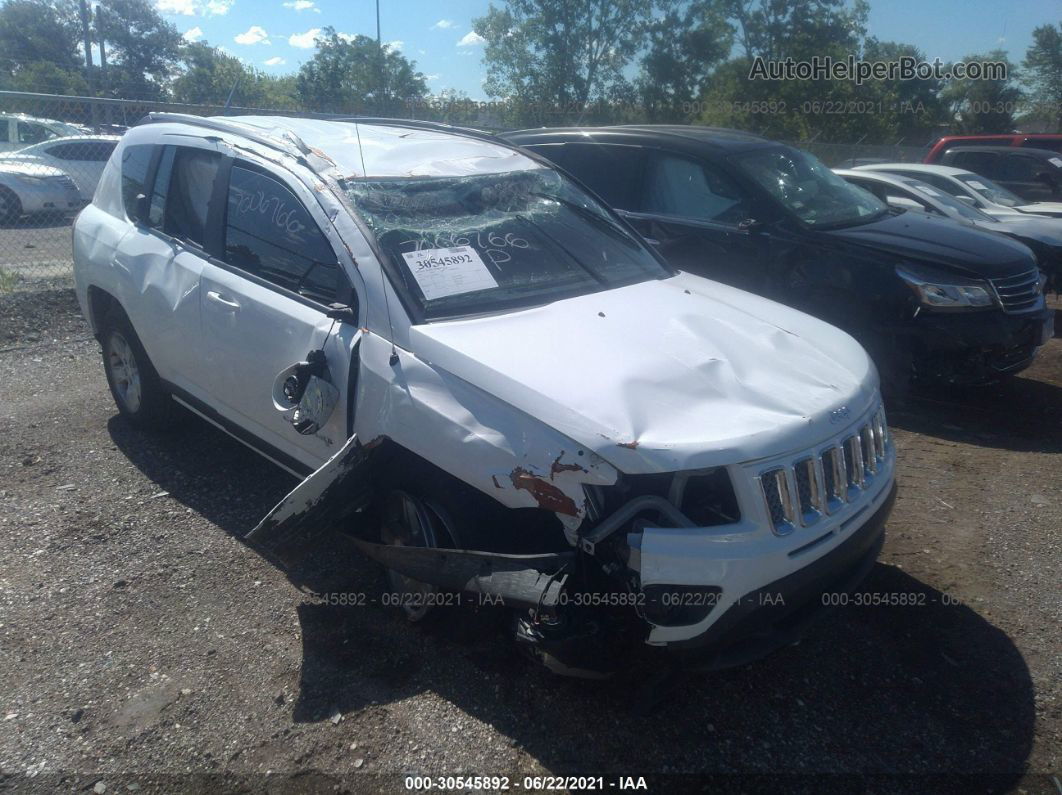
point(697, 216)
point(265, 309)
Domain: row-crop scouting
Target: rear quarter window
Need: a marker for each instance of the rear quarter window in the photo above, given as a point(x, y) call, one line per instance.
point(135, 163)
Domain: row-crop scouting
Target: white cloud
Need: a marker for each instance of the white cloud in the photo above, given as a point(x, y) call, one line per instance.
point(471, 39)
point(193, 8)
point(253, 35)
point(348, 37)
point(394, 45)
point(443, 24)
point(184, 8)
point(193, 34)
point(276, 60)
point(430, 78)
point(302, 5)
point(304, 41)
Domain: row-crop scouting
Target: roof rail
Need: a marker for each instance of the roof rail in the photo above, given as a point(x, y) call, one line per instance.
point(417, 124)
point(286, 145)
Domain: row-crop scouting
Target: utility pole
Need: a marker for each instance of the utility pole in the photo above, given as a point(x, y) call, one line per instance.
point(86, 29)
point(101, 37)
point(379, 63)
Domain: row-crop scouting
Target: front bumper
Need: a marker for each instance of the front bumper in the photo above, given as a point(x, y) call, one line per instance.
point(46, 197)
point(973, 347)
point(779, 613)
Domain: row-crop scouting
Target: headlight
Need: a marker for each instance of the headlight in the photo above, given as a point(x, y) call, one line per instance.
point(944, 291)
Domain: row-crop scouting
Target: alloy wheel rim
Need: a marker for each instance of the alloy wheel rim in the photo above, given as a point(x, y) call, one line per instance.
point(124, 371)
point(407, 522)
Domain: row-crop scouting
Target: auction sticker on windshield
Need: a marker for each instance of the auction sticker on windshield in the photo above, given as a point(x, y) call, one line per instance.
point(441, 272)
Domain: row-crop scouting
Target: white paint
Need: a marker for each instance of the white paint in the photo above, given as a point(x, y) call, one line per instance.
point(527, 406)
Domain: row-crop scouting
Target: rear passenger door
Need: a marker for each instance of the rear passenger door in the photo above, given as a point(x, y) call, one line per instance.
point(265, 303)
point(168, 193)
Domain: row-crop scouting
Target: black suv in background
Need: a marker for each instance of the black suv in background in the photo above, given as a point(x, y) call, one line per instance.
point(927, 297)
point(1033, 174)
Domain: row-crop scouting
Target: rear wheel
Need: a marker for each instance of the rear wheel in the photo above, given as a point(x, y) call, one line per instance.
point(10, 206)
point(135, 386)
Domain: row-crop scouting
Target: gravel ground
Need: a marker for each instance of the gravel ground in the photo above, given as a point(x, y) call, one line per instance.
point(143, 645)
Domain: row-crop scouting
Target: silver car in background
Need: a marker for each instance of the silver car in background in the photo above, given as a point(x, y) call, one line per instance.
point(30, 189)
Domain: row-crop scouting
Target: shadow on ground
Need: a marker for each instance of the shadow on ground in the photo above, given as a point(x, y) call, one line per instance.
point(926, 688)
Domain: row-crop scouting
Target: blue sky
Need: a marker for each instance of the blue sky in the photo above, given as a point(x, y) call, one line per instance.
point(277, 35)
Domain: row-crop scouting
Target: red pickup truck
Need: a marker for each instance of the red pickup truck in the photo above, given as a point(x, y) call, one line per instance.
point(1037, 140)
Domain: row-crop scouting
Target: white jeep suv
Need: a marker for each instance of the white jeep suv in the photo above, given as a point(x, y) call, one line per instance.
point(489, 380)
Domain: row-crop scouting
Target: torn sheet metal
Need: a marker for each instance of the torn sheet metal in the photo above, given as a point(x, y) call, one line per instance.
point(520, 581)
point(506, 454)
point(317, 505)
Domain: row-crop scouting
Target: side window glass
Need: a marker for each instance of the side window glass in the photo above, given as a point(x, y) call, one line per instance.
point(613, 172)
point(101, 152)
point(191, 187)
point(682, 187)
point(161, 187)
point(1020, 169)
point(61, 152)
point(135, 163)
point(268, 232)
point(29, 133)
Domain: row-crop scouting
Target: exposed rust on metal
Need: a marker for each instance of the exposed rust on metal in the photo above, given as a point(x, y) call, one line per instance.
point(629, 445)
point(557, 467)
point(544, 493)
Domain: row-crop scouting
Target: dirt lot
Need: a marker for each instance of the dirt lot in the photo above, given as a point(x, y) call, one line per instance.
point(142, 644)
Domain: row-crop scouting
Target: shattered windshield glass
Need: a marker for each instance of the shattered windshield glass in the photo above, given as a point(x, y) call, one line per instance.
point(470, 244)
point(809, 190)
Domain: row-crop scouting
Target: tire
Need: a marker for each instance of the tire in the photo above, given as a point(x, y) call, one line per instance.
point(10, 206)
point(135, 385)
point(423, 510)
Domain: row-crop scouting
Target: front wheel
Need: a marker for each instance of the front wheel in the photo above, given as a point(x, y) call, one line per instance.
point(135, 386)
point(10, 206)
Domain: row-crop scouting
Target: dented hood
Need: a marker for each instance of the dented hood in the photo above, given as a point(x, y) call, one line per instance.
point(664, 375)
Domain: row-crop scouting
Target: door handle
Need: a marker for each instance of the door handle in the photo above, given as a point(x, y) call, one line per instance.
point(218, 298)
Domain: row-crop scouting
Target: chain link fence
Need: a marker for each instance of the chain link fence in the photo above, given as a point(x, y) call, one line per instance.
point(53, 149)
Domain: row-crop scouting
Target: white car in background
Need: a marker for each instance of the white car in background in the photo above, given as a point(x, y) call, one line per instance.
point(81, 157)
point(35, 189)
point(1042, 235)
point(973, 189)
point(17, 130)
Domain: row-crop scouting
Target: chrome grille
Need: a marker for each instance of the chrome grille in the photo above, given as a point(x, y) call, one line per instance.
point(1018, 293)
point(823, 483)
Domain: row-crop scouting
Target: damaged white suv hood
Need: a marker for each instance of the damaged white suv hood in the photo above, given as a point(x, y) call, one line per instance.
point(665, 375)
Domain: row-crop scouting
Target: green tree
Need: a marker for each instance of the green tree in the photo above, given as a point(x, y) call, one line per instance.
point(352, 74)
point(984, 106)
point(554, 59)
point(684, 44)
point(1043, 76)
point(209, 75)
point(794, 109)
point(913, 107)
point(39, 40)
point(142, 49)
